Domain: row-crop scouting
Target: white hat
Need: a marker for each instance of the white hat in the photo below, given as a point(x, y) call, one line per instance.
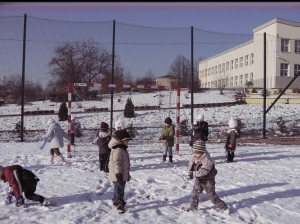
point(119, 124)
point(51, 121)
point(232, 123)
point(1, 170)
point(200, 117)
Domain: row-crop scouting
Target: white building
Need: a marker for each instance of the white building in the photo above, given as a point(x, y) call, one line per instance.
point(243, 63)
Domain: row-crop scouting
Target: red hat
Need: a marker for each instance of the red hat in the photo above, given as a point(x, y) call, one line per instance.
point(103, 126)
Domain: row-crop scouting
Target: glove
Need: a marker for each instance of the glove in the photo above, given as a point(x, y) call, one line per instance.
point(191, 176)
point(8, 200)
point(119, 178)
point(20, 201)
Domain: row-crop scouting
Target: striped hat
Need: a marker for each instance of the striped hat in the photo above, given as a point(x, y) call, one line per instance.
point(199, 146)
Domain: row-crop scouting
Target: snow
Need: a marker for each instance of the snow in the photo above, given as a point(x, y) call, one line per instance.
point(261, 186)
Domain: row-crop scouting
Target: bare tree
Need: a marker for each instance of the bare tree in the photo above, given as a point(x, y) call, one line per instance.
point(82, 61)
point(181, 68)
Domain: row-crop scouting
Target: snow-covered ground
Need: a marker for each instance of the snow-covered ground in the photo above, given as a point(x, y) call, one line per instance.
point(261, 186)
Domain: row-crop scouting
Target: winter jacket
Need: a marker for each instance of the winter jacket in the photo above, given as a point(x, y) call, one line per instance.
point(102, 141)
point(204, 168)
point(167, 135)
point(232, 135)
point(55, 135)
point(19, 178)
point(119, 161)
point(200, 132)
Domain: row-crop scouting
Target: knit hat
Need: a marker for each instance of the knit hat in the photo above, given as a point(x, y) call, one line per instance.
point(200, 117)
point(168, 120)
point(119, 124)
point(103, 126)
point(1, 170)
point(199, 147)
point(122, 135)
point(232, 123)
point(51, 121)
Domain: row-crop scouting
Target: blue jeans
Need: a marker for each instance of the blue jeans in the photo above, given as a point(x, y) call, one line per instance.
point(168, 150)
point(119, 189)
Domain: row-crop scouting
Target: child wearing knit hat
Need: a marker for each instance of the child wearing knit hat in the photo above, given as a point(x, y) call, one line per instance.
point(202, 168)
point(167, 136)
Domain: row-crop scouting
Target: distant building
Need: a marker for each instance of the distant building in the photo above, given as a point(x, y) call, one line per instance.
point(167, 80)
point(243, 63)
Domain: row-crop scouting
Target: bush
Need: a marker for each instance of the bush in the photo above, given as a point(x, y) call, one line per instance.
point(129, 109)
point(63, 112)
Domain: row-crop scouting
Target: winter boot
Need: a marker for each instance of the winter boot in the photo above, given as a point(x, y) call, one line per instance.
point(50, 160)
point(171, 159)
point(164, 158)
point(62, 160)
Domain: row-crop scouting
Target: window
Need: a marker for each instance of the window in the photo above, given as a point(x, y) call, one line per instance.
point(236, 78)
point(285, 43)
point(296, 69)
point(251, 59)
point(219, 68)
point(241, 61)
point(212, 71)
point(241, 79)
point(231, 81)
point(231, 64)
point(251, 76)
point(227, 66)
point(223, 67)
point(236, 63)
point(246, 78)
point(297, 46)
point(246, 60)
point(216, 70)
point(284, 68)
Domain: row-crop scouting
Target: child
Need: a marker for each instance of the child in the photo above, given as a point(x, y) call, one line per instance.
point(200, 130)
point(73, 129)
point(119, 125)
point(55, 135)
point(21, 180)
point(119, 166)
point(167, 135)
point(102, 141)
point(232, 134)
point(202, 167)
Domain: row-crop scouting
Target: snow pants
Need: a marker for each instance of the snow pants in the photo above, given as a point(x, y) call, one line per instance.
point(104, 161)
point(208, 185)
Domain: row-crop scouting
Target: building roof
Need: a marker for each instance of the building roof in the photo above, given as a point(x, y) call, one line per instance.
point(166, 76)
point(277, 20)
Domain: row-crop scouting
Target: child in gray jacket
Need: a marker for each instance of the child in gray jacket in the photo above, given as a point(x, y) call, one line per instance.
point(202, 167)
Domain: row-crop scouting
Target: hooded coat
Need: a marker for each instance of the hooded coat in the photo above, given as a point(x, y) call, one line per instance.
point(55, 135)
point(167, 135)
point(119, 161)
point(102, 141)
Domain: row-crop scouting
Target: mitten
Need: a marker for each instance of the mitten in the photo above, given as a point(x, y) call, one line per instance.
point(191, 176)
point(119, 178)
point(20, 201)
point(8, 199)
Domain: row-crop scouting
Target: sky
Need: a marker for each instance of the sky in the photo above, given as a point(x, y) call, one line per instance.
point(138, 47)
point(260, 186)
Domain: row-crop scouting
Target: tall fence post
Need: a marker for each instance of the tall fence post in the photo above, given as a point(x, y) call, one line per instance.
point(23, 78)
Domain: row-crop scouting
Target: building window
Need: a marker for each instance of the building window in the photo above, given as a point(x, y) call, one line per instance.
point(219, 68)
point(241, 61)
point(231, 64)
point(212, 71)
point(223, 67)
point(296, 69)
point(285, 43)
point(236, 80)
point(246, 78)
point(251, 59)
point(227, 66)
point(246, 60)
point(231, 81)
point(241, 79)
point(297, 46)
point(284, 69)
point(251, 76)
point(236, 63)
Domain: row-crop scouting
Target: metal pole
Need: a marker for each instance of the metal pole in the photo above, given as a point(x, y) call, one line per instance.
point(169, 102)
point(23, 78)
point(192, 74)
point(265, 88)
point(112, 76)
